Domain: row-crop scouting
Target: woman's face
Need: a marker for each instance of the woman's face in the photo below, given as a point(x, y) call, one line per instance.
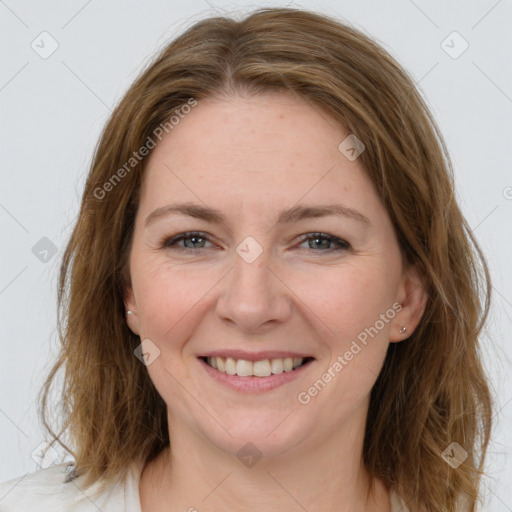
point(267, 275)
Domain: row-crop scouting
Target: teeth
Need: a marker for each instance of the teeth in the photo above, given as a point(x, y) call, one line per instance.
point(264, 368)
point(277, 366)
point(230, 366)
point(243, 368)
point(261, 368)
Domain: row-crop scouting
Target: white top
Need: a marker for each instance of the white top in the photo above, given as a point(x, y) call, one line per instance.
point(47, 491)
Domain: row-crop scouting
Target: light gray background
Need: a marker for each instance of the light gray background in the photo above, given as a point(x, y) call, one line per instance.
point(52, 111)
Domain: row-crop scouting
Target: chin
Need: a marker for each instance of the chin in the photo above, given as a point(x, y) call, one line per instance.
point(268, 436)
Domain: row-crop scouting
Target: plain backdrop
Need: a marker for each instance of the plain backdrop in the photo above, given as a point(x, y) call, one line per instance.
point(53, 107)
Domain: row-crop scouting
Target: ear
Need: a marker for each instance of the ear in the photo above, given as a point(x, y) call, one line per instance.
point(412, 295)
point(130, 305)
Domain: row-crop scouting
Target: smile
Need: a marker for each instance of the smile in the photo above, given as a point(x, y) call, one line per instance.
point(254, 372)
point(262, 368)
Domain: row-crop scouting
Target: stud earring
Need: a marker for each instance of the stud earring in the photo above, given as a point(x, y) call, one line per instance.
point(403, 329)
point(129, 312)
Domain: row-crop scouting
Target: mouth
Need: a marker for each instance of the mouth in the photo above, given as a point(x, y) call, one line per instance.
point(259, 368)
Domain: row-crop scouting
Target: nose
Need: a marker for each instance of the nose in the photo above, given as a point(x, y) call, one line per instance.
point(253, 296)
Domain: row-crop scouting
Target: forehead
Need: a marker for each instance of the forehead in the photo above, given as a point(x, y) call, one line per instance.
point(260, 149)
point(250, 130)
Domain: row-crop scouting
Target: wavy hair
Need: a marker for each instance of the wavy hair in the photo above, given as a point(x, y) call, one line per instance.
point(432, 391)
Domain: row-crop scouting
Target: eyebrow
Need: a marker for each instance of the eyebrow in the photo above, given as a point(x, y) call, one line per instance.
point(294, 214)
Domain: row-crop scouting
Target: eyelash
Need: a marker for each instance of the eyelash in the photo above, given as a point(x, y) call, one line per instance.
point(170, 243)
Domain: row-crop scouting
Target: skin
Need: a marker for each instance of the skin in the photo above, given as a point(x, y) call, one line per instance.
point(251, 157)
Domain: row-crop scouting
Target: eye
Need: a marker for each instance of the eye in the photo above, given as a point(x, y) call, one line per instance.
point(322, 241)
point(193, 240)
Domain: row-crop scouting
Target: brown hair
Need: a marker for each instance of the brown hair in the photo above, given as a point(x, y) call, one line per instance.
point(432, 390)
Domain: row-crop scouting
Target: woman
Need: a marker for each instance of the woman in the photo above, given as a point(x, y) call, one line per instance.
point(270, 300)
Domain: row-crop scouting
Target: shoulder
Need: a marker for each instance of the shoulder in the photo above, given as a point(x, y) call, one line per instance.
point(44, 489)
point(51, 490)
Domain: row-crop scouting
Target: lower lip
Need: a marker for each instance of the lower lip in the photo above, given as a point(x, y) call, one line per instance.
point(254, 384)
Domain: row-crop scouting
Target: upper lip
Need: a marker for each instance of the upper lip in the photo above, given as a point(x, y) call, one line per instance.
point(254, 356)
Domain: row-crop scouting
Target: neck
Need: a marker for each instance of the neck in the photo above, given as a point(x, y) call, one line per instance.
point(199, 476)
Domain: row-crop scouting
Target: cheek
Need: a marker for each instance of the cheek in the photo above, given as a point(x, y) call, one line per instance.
point(354, 304)
point(169, 300)
point(348, 298)
point(171, 303)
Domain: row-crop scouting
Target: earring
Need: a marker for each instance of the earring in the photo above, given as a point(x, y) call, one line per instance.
point(129, 312)
point(403, 329)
